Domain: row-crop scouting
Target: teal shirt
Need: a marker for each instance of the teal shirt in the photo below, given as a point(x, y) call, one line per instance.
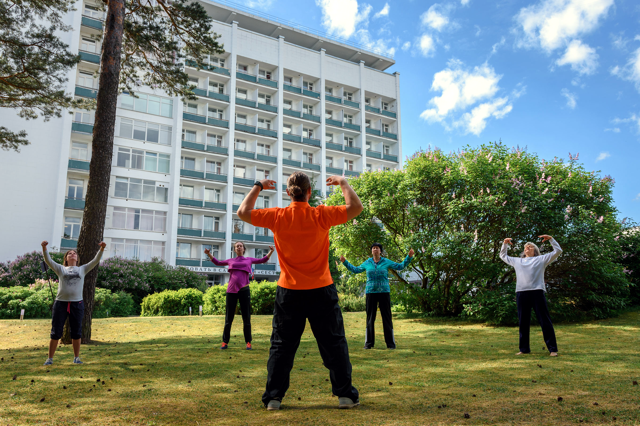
point(378, 273)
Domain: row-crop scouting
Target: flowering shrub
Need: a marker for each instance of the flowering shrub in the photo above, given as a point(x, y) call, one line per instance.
point(118, 274)
point(26, 269)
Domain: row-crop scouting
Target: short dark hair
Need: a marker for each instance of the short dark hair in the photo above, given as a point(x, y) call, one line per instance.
point(376, 245)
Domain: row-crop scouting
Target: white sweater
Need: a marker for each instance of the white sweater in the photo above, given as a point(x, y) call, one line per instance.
point(530, 270)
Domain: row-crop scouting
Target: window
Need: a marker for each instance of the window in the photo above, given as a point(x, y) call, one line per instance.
point(140, 189)
point(287, 154)
point(288, 80)
point(187, 163)
point(264, 149)
point(156, 162)
point(240, 145)
point(85, 79)
point(211, 224)
point(185, 220)
point(368, 167)
point(131, 159)
point(329, 162)
point(387, 149)
point(262, 174)
point(75, 189)
point(239, 171)
point(328, 91)
point(238, 226)
point(262, 202)
point(212, 195)
point(385, 106)
point(193, 81)
point(218, 62)
point(237, 198)
point(216, 113)
point(307, 157)
point(307, 85)
point(241, 119)
point(214, 167)
point(214, 140)
point(328, 137)
point(241, 93)
point(139, 219)
point(189, 135)
point(80, 151)
point(242, 68)
point(368, 145)
point(265, 74)
point(348, 141)
point(143, 131)
point(286, 129)
point(307, 109)
point(88, 45)
point(328, 114)
point(72, 227)
point(348, 96)
point(183, 250)
point(349, 164)
point(367, 101)
point(264, 99)
point(287, 104)
point(93, 12)
point(137, 249)
point(367, 123)
point(191, 108)
point(348, 118)
point(264, 123)
point(186, 191)
point(307, 133)
point(216, 87)
point(83, 117)
point(385, 127)
point(148, 103)
point(260, 252)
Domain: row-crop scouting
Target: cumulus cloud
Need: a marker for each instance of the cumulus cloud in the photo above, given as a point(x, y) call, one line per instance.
point(631, 71)
point(259, 4)
point(462, 88)
point(376, 45)
point(571, 98)
point(614, 130)
point(603, 156)
point(436, 17)
point(464, 2)
point(426, 45)
point(383, 12)
point(551, 24)
point(580, 56)
point(406, 46)
point(633, 120)
point(340, 17)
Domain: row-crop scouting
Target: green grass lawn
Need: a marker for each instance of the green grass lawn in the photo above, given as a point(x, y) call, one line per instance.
point(169, 371)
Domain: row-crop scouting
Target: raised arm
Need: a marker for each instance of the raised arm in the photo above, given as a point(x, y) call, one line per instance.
point(503, 252)
point(89, 266)
point(214, 260)
point(350, 267)
point(56, 267)
point(404, 264)
point(249, 202)
point(557, 250)
point(264, 259)
point(351, 200)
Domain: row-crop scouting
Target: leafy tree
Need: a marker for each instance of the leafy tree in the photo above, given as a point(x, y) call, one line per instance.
point(33, 63)
point(630, 241)
point(455, 209)
point(144, 43)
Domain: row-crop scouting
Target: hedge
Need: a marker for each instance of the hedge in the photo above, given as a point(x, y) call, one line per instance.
point(172, 302)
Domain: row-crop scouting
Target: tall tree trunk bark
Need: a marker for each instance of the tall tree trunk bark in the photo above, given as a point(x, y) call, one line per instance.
point(102, 151)
point(66, 333)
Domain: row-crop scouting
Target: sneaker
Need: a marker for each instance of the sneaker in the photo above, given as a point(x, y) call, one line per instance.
point(368, 347)
point(224, 346)
point(249, 347)
point(76, 360)
point(347, 403)
point(49, 361)
point(273, 405)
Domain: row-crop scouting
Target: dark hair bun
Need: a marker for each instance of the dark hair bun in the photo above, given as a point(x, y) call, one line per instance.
point(295, 190)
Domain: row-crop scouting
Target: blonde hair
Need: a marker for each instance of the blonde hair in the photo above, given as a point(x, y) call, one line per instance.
point(64, 263)
point(536, 249)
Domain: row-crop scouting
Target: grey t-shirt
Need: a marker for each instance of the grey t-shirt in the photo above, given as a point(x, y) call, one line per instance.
point(530, 270)
point(71, 278)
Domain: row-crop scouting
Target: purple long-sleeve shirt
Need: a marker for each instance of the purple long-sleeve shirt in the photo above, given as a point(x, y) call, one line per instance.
point(240, 269)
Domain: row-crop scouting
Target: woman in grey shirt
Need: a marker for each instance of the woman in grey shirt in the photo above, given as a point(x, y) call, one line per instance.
point(68, 302)
point(530, 290)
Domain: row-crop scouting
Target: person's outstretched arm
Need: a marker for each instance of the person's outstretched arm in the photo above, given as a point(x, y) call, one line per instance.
point(557, 250)
point(89, 266)
point(405, 262)
point(249, 202)
point(351, 268)
point(55, 267)
point(214, 260)
point(503, 252)
point(265, 259)
point(351, 200)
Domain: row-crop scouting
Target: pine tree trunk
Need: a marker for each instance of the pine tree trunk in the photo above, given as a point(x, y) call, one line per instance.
point(95, 209)
point(66, 333)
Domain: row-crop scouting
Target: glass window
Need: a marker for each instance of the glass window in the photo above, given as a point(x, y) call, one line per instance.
point(348, 118)
point(151, 162)
point(307, 85)
point(329, 162)
point(214, 140)
point(264, 123)
point(368, 145)
point(328, 137)
point(185, 220)
point(385, 127)
point(241, 119)
point(328, 114)
point(153, 132)
point(264, 99)
point(287, 153)
point(137, 159)
point(83, 117)
point(286, 128)
point(264, 149)
point(385, 106)
point(126, 101)
point(286, 104)
point(243, 68)
point(189, 135)
point(119, 220)
point(348, 96)
point(124, 157)
point(265, 74)
point(72, 227)
point(75, 189)
point(262, 174)
point(212, 195)
point(387, 149)
point(165, 136)
point(216, 87)
point(85, 79)
point(307, 133)
point(183, 250)
point(186, 191)
point(262, 203)
point(367, 101)
point(238, 226)
point(140, 103)
point(166, 110)
point(241, 93)
point(79, 150)
point(88, 45)
point(187, 163)
point(122, 187)
point(307, 109)
point(148, 190)
point(126, 128)
point(240, 145)
point(349, 164)
point(328, 91)
point(139, 130)
point(237, 198)
point(288, 80)
point(239, 171)
point(368, 167)
point(191, 108)
point(214, 167)
point(154, 105)
point(348, 141)
point(308, 157)
point(215, 113)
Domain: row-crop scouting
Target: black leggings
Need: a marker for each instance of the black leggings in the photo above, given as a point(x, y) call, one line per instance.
point(244, 295)
point(534, 299)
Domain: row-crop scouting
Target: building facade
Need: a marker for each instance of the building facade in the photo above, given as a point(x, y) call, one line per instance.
point(277, 101)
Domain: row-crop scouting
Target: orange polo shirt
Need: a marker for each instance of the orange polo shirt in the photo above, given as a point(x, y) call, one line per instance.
point(301, 235)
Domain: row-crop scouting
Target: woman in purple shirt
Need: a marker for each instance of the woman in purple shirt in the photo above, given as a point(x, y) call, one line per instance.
point(238, 289)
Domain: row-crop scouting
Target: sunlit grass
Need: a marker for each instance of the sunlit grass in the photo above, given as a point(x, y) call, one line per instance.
point(169, 371)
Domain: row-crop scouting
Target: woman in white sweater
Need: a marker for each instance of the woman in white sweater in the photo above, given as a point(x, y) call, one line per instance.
point(530, 290)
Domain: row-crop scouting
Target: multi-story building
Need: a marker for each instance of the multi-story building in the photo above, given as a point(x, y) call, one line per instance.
point(278, 100)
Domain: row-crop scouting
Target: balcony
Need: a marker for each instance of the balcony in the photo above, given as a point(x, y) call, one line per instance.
point(244, 154)
point(182, 261)
point(74, 203)
point(291, 88)
point(218, 149)
point(246, 102)
point(311, 141)
point(311, 166)
point(369, 108)
point(82, 127)
point(245, 128)
point(351, 126)
point(91, 22)
point(242, 237)
point(197, 118)
point(267, 82)
point(215, 205)
point(246, 77)
point(235, 207)
point(291, 137)
point(218, 122)
point(267, 132)
point(217, 177)
point(334, 171)
point(189, 202)
point(390, 157)
point(265, 266)
point(67, 243)
point(292, 113)
point(292, 163)
point(374, 154)
point(311, 117)
point(213, 68)
point(86, 92)
point(264, 239)
point(265, 107)
point(333, 99)
point(89, 57)
point(220, 70)
point(267, 158)
point(214, 234)
point(390, 135)
point(311, 93)
point(371, 131)
point(352, 104)
point(333, 122)
point(200, 92)
point(334, 146)
point(189, 232)
point(353, 150)
point(78, 164)
point(193, 145)
point(218, 96)
point(243, 181)
point(388, 113)
point(351, 173)
point(192, 173)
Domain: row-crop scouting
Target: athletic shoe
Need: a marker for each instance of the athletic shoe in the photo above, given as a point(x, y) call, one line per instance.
point(391, 347)
point(273, 405)
point(49, 361)
point(347, 402)
point(367, 347)
point(249, 347)
point(224, 346)
point(76, 360)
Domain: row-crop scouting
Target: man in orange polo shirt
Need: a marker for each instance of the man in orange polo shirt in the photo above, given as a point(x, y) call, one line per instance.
point(305, 289)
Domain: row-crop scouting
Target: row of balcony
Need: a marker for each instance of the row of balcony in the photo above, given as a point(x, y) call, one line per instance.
point(182, 261)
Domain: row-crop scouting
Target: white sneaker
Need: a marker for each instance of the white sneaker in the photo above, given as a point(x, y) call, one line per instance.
point(347, 403)
point(273, 405)
point(76, 360)
point(49, 361)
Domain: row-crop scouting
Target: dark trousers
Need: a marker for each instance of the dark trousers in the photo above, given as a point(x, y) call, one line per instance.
point(292, 308)
point(62, 310)
point(534, 299)
point(384, 301)
point(244, 296)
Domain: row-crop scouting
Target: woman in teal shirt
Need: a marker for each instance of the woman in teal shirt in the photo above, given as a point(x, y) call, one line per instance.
point(378, 292)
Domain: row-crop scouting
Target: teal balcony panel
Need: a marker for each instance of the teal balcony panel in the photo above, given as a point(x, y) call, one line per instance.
point(86, 92)
point(193, 145)
point(214, 234)
point(351, 173)
point(372, 109)
point(371, 131)
point(192, 173)
point(267, 132)
point(218, 122)
point(390, 135)
point(246, 77)
point(216, 177)
point(374, 154)
point(187, 262)
point(352, 104)
point(311, 141)
point(291, 138)
point(220, 70)
point(390, 157)
point(218, 149)
point(333, 122)
point(200, 92)
point(189, 202)
point(92, 23)
point(89, 57)
point(235, 207)
point(188, 232)
point(309, 166)
point(266, 107)
point(242, 237)
point(264, 239)
point(388, 113)
point(333, 99)
point(353, 150)
point(244, 154)
point(191, 63)
point(355, 127)
point(214, 205)
point(74, 203)
point(194, 117)
point(246, 102)
point(78, 164)
point(269, 83)
point(284, 186)
point(82, 128)
point(334, 146)
point(68, 244)
point(311, 93)
point(292, 113)
point(243, 181)
point(267, 158)
point(218, 96)
point(334, 171)
point(292, 89)
point(245, 128)
point(265, 266)
point(311, 117)
point(292, 163)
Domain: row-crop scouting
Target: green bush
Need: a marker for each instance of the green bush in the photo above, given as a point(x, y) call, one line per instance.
point(263, 297)
point(214, 300)
point(108, 304)
point(352, 303)
point(172, 302)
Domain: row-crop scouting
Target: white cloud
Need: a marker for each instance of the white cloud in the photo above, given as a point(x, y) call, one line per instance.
point(478, 30)
point(571, 98)
point(637, 38)
point(436, 17)
point(614, 130)
point(494, 48)
point(619, 41)
point(383, 12)
point(376, 45)
point(340, 17)
point(426, 45)
point(259, 4)
point(633, 119)
point(581, 57)
point(550, 24)
point(518, 91)
point(603, 156)
point(463, 88)
point(631, 71)
point(464, 2)
point(406, 46)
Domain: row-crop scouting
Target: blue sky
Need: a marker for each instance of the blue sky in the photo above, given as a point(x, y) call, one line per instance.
point(557, 76)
